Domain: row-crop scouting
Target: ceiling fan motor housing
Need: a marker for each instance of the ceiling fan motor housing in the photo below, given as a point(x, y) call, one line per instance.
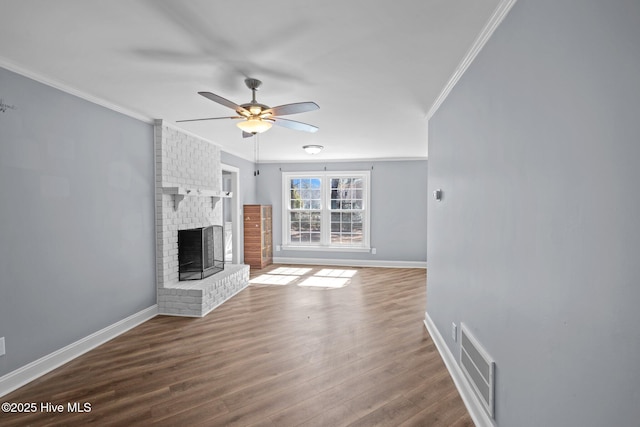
point(252, 106)
point(252, 84)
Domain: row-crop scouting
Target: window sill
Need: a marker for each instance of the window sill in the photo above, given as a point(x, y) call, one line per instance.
point(326, 248)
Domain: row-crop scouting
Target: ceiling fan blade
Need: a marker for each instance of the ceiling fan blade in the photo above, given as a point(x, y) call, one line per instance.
point(210, 118)
point(246, 134)
point(223, 101)
point(298, 107)
point(292, 124)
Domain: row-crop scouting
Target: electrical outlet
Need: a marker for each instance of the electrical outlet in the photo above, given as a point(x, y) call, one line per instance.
point(1, 346)
point(454, 332)
point(373, 251)
point(278, 248)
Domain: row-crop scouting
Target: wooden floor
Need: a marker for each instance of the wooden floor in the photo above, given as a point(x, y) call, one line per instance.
point(301, 346)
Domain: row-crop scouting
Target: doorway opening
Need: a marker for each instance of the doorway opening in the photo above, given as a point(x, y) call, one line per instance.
point(231, 213)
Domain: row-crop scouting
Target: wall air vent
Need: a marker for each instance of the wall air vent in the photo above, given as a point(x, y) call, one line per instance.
point(478, 367)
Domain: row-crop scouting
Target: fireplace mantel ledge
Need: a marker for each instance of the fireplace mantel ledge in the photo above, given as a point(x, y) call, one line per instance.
point(179, 193)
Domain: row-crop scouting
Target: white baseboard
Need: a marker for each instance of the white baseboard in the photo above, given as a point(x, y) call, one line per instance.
point(350, 262)
point(475, 408)
point(21, 376)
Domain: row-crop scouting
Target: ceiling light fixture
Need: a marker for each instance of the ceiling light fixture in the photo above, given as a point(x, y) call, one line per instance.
point(254, 125)
point(313, 149)
point(255, 110)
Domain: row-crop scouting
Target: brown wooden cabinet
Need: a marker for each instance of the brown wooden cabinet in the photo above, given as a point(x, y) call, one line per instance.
point(258, 240)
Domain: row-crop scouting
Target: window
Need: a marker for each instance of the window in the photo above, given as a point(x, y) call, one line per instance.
point(326, 210)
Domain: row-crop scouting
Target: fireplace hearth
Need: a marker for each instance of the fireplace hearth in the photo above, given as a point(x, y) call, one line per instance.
point(200, 252)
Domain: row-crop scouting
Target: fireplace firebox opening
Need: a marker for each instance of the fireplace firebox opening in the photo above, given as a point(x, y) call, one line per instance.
point(200, 252)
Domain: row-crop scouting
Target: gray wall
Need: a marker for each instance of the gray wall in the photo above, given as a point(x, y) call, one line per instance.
point(248, 186)
point(76, 219)
point(398, 208)
point(247, 180)
point(535, 245)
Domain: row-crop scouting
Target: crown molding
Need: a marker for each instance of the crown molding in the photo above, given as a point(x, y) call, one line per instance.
point(238, 154)
point(355, 160)
point(498, 16)
point(5, 63)
point(163, 122)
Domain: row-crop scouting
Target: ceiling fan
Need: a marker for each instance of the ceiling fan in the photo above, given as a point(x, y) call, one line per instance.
point(257, 118)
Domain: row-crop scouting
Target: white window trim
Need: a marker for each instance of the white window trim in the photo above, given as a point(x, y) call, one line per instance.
point(365, 246)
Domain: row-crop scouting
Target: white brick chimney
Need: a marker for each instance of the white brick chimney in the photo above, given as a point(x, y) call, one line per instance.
point(186, 161)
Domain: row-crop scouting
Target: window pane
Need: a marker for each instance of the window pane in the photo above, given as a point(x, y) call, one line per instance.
point(346, 227)
point(305, 193)
point(346, 193)
point(305, 226)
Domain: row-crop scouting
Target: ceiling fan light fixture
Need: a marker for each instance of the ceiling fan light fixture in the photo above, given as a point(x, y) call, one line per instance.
point(313, 149)
point(257, 118)
point(254, 125)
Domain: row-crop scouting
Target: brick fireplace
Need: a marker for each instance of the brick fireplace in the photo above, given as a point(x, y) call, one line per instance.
point(188, 195)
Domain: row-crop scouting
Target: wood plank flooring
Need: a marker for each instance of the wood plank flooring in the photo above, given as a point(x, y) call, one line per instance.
point(301, 346)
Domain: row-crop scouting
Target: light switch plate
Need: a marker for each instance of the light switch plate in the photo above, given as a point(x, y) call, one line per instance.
point(454, 332)
point(2, 346)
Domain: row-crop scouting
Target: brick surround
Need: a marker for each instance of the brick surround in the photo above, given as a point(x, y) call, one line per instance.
point(184, 160)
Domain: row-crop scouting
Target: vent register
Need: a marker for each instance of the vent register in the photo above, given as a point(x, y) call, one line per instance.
point(479, 369)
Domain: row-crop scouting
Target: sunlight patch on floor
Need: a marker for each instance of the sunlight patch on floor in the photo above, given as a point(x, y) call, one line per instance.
point(273, 279)
point(336, 272)
point(324, 282)
point(331, 278)
point(291, 271)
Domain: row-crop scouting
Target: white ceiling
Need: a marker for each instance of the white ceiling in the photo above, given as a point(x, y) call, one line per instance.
point(374, 67)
